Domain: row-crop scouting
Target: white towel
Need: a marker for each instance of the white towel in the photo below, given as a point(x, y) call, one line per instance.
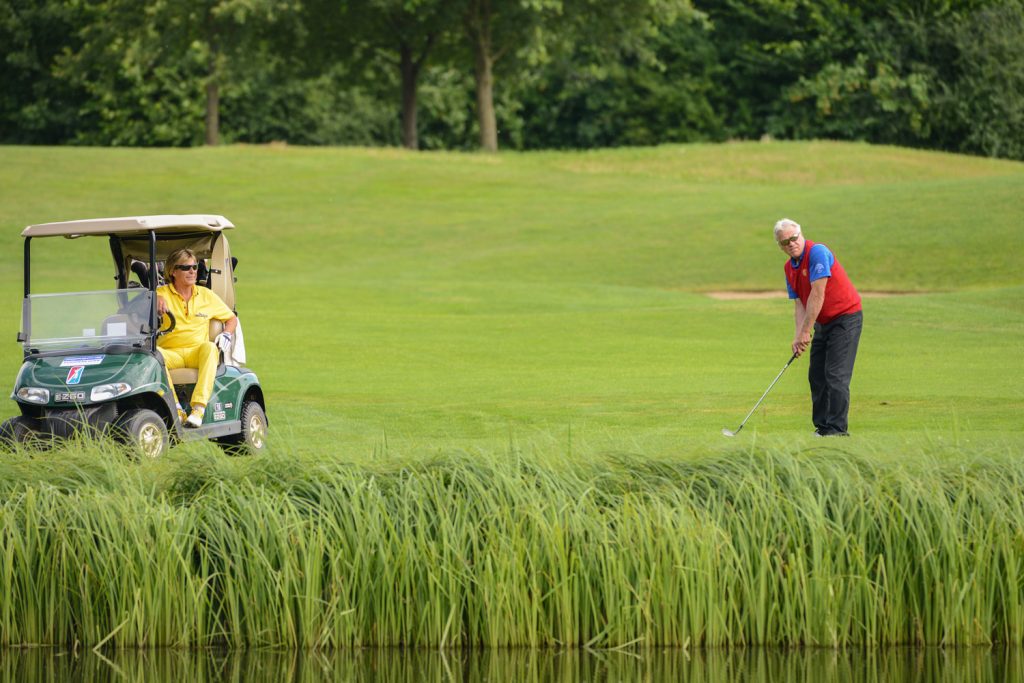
point(236, 356)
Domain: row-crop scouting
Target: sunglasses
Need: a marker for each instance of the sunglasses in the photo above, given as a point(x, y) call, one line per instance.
point(789, 240)
point(192, 266)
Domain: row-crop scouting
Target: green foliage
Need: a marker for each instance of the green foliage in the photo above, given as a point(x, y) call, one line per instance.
point(274, 103)
point(902, 73)
point(989, 93)
point(138, 101)
point(667, 94)
point(862, 101)
point(887, 85)
point(35, 106)
point(446, 110)
point(153, 70)
point(563, 73)
point(764, 46)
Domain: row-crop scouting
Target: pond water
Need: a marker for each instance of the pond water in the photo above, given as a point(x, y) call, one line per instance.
point(525, 666)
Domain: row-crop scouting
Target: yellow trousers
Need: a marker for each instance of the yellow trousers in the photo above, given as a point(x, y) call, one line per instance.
point(204, 358)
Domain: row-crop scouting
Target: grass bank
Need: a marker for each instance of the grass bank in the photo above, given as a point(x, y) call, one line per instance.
point(832, 546)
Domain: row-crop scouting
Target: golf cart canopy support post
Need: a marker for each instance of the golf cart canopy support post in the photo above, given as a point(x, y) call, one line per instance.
point(27, 260)
point(152, 287)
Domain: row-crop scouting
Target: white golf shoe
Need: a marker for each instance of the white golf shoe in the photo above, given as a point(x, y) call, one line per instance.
point(195, 418)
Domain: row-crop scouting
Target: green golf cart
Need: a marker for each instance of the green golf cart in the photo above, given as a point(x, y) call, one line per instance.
point(91, 363)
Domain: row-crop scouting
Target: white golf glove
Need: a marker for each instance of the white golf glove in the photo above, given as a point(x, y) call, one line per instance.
point(223, 342)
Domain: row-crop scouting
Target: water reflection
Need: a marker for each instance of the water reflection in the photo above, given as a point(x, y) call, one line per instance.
point(526, 666)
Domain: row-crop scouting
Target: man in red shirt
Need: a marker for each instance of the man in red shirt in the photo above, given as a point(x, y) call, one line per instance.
point(826, 301)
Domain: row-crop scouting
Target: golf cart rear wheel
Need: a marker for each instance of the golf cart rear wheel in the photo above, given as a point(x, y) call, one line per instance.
point(145, 432)
point(253, 436)
point(19, 430)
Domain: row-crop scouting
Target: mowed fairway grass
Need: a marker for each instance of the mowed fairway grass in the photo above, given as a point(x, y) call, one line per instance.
point(453, 301)
point(496, 386)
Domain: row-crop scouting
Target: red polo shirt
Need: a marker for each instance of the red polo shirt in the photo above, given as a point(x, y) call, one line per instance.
point(841, 298)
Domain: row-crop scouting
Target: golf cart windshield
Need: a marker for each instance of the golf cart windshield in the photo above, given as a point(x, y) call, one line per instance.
point(86, 320)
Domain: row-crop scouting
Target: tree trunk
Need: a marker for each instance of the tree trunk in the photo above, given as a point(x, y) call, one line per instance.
point(410, 74)
point(212, 112)
point(478, 23)
point(485, 97)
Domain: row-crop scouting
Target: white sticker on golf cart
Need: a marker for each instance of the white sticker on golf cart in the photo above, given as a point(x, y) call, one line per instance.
point(217, 415)
point(81, 360)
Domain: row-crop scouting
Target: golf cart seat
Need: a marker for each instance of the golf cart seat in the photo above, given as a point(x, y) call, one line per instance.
point(191, 375)
point(141, 271)
point(203, 274)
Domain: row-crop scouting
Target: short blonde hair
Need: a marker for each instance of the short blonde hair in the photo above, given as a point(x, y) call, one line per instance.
point(176, 257)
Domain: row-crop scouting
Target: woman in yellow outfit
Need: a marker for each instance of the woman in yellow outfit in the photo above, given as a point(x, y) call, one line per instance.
point(188, 345)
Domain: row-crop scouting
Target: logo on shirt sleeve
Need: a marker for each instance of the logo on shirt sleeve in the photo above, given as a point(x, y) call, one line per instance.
point(819, 269)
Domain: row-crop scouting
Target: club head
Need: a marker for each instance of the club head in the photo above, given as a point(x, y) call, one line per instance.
point(726, 432)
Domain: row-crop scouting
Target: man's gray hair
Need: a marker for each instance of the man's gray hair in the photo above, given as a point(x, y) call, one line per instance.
point(784, 224)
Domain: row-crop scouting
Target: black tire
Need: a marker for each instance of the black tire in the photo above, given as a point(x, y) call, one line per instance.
point(145, 432)
point(253, 437)
point(19, 430)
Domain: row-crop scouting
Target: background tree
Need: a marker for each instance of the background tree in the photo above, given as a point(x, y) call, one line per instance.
point(37, 107)
point(403, 33)
point(942, 74)
point(152, 67)
point(494, 29)
point(605, 86)
point(525, 32)
point(988, 97)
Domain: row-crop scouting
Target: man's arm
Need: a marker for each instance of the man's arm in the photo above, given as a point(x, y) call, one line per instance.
point(215, 307)
point(225, 340)
point(806, 315)
point(798, 323)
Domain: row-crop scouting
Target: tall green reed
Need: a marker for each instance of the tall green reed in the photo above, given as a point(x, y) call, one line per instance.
point(769, 546)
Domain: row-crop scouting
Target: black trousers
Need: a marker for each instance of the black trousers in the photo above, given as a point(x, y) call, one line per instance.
point(833, 351)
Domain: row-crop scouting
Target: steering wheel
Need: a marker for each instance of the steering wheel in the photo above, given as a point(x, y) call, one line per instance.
point(174, 322)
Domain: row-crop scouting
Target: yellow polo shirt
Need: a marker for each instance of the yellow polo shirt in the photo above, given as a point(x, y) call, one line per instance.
point(193, 316)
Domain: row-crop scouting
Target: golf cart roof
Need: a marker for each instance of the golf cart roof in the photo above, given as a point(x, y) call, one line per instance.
point(131, 226)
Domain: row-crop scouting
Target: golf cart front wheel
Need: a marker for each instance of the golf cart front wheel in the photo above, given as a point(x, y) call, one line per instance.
point(253, 436)
point(145, 432)
point(19, 430)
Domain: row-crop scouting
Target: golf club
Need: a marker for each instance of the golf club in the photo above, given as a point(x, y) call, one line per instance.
point(727, 432)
